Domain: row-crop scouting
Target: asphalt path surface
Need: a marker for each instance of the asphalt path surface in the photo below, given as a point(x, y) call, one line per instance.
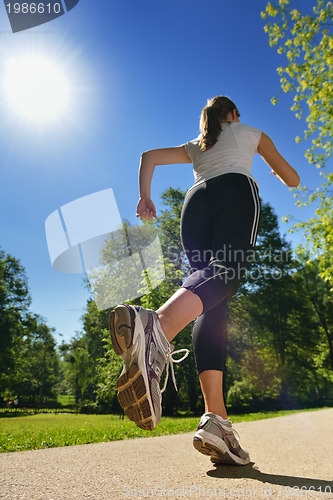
point(291, 458)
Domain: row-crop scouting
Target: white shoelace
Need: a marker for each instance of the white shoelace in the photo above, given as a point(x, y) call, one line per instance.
point(170, 361)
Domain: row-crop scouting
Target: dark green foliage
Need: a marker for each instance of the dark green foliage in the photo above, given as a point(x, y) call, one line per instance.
point(28, 358)
point(37, 371)
point(274, 334)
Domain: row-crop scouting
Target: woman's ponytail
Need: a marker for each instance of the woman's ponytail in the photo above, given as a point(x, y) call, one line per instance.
point(210, 127)
point(217, 110)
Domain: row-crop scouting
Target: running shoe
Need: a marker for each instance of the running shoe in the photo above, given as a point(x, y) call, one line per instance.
point(217, 438)
point(137, 337)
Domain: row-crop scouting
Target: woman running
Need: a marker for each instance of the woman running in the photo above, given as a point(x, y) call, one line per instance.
point(219, 225)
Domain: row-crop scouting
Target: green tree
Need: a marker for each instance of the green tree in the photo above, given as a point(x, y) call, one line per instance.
point(318, 236)
point(306, 41)
point(108, 369)
point(320, 297)
point(37, 368)
point(271, 329)
point(95, 324)
point(14, 305)
point(76, 368)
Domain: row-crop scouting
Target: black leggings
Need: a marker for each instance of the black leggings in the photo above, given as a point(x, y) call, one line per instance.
point(219, 226)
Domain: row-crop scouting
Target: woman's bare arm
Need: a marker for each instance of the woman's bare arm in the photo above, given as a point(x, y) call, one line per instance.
point(280, 167)
point(149, 160)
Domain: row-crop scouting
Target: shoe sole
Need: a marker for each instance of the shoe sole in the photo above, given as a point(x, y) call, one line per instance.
point(121, 328)
point(217, 454)
point(132, 384)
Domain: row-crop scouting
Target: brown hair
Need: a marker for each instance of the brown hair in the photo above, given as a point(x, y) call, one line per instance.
point(217, 109)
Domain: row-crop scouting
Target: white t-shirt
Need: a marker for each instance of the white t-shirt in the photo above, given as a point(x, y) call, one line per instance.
point(232, 153)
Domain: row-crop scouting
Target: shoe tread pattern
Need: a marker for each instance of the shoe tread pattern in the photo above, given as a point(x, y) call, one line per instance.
point(216, 455)
point(132, 397)
point(121, 330)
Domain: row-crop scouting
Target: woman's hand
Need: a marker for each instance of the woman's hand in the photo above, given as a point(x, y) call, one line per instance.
point(145, 209)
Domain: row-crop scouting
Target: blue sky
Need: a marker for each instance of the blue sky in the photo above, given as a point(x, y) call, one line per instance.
point(139, 74)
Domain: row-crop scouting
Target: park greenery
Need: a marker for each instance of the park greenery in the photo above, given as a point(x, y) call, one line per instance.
point(306, 43)
point(50, 430)
point(280, 322)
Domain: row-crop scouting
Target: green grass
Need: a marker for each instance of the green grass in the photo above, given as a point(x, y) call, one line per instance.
point(52, 430)
point(66, 400)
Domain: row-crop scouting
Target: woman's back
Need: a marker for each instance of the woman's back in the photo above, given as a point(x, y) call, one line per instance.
point(232, 153)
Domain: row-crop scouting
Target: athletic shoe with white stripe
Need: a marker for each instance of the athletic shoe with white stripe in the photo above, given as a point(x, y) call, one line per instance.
point(137, 337)
point(216, 437)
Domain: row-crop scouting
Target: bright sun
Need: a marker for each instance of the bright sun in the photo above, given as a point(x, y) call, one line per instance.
point(36, 88)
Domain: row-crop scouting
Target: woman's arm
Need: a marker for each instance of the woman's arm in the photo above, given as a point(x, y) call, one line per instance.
point(149, 160)
point(280, 167)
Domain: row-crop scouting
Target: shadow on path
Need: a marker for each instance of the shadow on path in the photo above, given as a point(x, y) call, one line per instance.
point(251, 472)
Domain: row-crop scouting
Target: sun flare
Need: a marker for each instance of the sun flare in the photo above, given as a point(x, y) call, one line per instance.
point(36, 88)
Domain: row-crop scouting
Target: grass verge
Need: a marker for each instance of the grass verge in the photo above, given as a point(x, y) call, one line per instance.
point(53, 430)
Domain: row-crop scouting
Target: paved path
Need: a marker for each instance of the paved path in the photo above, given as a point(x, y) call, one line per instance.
point(295, 451)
